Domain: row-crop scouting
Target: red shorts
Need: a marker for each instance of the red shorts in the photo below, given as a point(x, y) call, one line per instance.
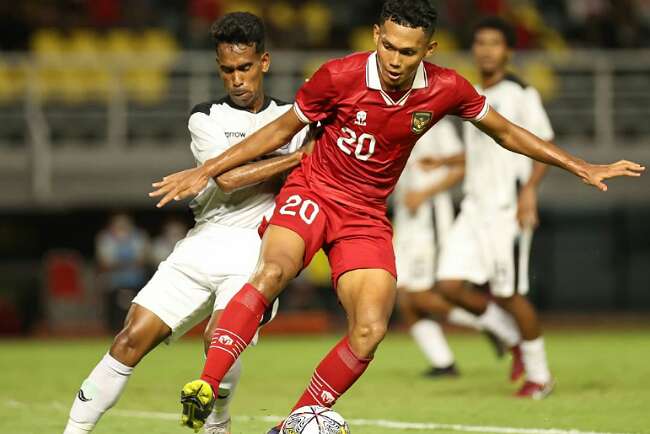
point(352, 238)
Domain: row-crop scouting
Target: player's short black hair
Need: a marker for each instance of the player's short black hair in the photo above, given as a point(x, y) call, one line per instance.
point(499, 24)
point(239, 28)
point(410, 13)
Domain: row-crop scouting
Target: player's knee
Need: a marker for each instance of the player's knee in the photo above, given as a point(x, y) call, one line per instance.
point(127, 348)
point(272, 277)
point(367, 335)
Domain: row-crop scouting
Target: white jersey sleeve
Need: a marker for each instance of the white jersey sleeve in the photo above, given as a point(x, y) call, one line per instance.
point(208, 138)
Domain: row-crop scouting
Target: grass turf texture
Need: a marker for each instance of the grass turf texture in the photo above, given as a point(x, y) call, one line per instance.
point(603, 385)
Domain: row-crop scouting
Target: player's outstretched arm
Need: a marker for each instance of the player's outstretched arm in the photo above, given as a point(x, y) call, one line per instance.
point(181, 185)
point(519, 140)
point(432, 163)
point(259, 171)
point(414, 198)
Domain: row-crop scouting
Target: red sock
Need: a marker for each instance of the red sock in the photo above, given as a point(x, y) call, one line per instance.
point(335, 374)
point(235, 330)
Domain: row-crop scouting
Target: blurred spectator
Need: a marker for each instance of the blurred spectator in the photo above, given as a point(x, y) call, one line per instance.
point(172, 232)
point(121, 253)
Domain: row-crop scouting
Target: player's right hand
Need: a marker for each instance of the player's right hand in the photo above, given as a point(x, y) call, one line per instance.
point(180, 185)
point(595, 174)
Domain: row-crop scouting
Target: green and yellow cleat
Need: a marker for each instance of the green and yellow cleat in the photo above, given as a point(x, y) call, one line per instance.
point(197, 399)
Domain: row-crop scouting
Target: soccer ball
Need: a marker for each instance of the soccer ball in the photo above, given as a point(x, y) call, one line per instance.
point(314, 419)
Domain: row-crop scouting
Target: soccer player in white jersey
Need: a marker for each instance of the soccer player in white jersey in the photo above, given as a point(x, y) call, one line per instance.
point(218, 255)
point(424, 215)
point(490, 240)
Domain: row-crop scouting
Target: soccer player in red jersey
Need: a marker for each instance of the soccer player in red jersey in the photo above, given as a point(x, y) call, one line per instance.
point(373, 108)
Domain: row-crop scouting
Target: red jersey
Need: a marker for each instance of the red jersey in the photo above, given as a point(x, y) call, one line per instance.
point(368, 136)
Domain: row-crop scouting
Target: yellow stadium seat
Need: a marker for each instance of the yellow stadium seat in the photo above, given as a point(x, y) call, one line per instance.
point(146, 86)
point(48, 44)
point(160, 45)
point(242, 6)
point(318, 19)
point(120, 43)
point(447, 42)
point(282, 15)
point(361, 39)
point(12, 82)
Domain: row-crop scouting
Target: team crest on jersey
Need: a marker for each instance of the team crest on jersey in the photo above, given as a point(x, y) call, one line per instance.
point(420, 121)
point(361, 118)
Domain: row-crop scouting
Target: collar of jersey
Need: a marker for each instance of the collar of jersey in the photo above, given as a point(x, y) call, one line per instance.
point(373, 81)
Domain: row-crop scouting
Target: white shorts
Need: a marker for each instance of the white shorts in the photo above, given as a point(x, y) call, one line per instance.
point(487, 248)
point(415, 251)
point(205, 270)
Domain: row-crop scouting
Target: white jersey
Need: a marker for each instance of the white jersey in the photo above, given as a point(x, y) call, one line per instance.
point(416, 235)
point(440, 141)
point(216, 126)
point(492, 172)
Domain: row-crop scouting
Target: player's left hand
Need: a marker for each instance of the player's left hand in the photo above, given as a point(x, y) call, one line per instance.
point(527, 208)
point(180, 185)
point(413, 199)
point(595, 174)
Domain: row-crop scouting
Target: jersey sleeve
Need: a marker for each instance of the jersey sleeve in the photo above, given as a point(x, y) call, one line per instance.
point(208, 138)
point(470, 105)
point(316, 99)
point(534, 117)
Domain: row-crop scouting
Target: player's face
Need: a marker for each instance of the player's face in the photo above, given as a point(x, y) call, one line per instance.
point(242, 71)
point(400, 49)
point(491, 51)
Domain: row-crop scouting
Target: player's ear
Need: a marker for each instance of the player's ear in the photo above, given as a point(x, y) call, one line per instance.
point(265, 60)
point(431, 48)
point(376, 31)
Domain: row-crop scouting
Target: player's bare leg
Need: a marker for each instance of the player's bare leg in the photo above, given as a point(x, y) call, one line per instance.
point(219, 421)
point(281, 258)
point(426, 332)
point(368, 298)
point(492, 317)
point(142, 332)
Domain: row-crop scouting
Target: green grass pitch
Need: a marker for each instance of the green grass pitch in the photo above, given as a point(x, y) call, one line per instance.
point(603, 385)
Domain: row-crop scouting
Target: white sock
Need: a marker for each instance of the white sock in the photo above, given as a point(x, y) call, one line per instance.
point(534, 357)
point(501, 323)
point(99, 392)
point(220, 412)
point(461, 317)
point(429, 337)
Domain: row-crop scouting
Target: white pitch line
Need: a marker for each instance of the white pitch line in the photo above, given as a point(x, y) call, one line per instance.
point(380, 423)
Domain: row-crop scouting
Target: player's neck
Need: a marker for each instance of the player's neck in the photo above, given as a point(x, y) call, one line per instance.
point(489, 79)
point(258, 103)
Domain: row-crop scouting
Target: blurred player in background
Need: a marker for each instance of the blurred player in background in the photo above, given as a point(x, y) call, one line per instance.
point(421, 198)
point(490, 241)
point(218, 255)
point(373, 108)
